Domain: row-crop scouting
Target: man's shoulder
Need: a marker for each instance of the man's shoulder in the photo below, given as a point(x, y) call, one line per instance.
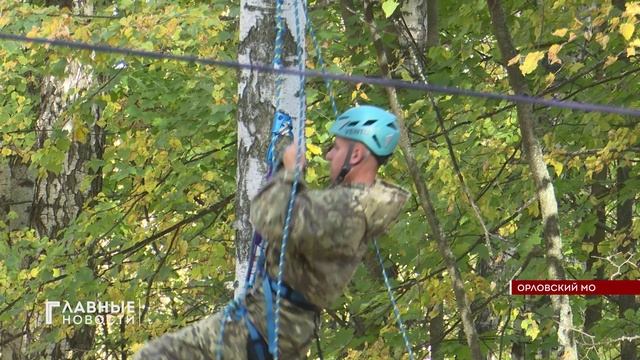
point(338, 196)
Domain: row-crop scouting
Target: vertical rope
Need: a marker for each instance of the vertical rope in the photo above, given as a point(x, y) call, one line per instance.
point(277, 63)
point(323, 69)
point(396, 311)
point(298, 171)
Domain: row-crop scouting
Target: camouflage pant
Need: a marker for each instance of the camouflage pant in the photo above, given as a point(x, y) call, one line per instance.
point(199, 342)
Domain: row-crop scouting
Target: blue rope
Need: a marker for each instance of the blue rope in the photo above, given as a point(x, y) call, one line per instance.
point(281, 127)
point(278, 126)
point(298, 171)
point(260, 261)
point(355, 79)
point(407, 344)
point(277, 54)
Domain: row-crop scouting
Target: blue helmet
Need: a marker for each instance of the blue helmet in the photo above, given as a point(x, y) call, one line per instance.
point(370, 125)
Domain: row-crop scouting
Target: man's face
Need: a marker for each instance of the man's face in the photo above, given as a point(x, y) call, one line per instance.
point(336, 156)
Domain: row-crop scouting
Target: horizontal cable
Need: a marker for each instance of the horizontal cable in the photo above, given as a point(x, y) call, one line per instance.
point(327, 75)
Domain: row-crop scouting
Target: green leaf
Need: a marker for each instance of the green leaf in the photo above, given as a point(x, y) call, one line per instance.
point(389, 7)
point(84, 274)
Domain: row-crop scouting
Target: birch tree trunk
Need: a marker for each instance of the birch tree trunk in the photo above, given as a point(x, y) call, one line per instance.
point(421, 19)
point(414, 13)
point(257, 105)
point(542, 180)
point(58, 198)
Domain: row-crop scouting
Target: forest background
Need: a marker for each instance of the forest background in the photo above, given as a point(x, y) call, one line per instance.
point(120, 176)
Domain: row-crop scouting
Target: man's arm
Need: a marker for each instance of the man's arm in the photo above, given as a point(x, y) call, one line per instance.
point(323, 221)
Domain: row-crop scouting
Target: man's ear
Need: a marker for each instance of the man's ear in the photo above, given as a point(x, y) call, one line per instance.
point(358, 154)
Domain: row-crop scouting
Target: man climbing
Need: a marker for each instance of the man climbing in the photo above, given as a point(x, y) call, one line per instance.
point(330, 232)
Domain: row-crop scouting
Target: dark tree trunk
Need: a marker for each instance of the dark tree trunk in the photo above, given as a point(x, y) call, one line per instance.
point(628, 245)
point(436, 332)
point(593, 313)
point(16, 195)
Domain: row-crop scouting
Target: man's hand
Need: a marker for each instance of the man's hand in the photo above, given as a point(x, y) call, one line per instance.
point(289, 158)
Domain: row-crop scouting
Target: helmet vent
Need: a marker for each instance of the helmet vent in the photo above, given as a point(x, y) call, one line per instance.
point(369, 122)
point(392, 125)
point(375, 138)
point(349, 124)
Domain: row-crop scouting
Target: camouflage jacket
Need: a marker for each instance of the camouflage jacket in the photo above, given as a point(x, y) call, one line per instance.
point(330, 233)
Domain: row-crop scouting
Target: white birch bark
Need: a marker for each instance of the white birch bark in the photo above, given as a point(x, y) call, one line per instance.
point(59, 197)
point(256, 107)
point(415, 15)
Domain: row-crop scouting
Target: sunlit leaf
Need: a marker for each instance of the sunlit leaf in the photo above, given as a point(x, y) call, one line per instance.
point(389, 7)
point(531, 62)
point(626, 30)
point(553, 54)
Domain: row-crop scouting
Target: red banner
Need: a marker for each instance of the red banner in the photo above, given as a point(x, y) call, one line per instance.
point(574, 287)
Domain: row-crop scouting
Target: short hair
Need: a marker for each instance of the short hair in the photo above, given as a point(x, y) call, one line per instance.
point(381, 160)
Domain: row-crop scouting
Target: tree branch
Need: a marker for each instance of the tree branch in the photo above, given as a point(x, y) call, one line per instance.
point(139, 245)
point(462, 300)
point(155, 273)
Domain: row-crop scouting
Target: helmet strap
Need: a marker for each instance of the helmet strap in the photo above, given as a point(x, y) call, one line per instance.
point(346, 166)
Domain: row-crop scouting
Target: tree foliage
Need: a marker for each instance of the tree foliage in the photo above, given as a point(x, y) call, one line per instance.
point(160, 231)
